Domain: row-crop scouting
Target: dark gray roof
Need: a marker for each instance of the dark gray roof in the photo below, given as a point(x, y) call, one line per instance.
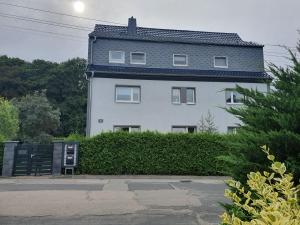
point(181, 74)
point(167, 35)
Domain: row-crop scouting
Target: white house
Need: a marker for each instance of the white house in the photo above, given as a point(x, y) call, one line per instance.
point(166, 80)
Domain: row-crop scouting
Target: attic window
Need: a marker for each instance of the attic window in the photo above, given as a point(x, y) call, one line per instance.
point(221, 61)
point(138, 58)
point(116, 57)
point(180, 60)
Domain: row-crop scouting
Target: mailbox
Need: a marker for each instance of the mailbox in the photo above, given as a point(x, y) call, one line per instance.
point(70, 157)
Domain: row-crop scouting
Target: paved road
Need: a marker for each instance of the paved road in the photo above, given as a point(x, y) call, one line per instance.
point(111, 201)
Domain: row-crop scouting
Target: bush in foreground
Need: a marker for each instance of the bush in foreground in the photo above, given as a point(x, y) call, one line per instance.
point(268, 198)
point(152, 153)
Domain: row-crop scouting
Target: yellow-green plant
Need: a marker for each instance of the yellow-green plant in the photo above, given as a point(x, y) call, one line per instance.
point(270, 197)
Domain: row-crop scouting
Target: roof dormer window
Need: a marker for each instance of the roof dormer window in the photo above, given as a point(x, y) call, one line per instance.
point(138, 58)
point(116, 57)
point(180, 60)
point(221, 61)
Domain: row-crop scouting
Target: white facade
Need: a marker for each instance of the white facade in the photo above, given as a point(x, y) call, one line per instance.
point(155, 111)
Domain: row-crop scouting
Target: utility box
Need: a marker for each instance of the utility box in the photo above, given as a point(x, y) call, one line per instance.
point(70, 156)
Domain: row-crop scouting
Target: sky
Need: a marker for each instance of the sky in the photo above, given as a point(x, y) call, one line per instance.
point(268, 22)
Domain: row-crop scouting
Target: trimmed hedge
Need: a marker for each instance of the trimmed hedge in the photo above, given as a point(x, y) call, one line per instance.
point(152, 153)
point(1, 156)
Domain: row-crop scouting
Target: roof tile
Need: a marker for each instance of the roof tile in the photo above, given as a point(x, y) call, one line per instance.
point(184, 36)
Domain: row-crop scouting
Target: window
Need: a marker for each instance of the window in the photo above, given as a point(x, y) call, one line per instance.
point(127, 128)
point(138, 58)
point(180, 60)
point(176, 95)
point(116, 57)
point(232, 130)
point(184, 129)
point(221, 61)
point(183, 95)
point(128, 94)
point(190, 96)
point(233, 97)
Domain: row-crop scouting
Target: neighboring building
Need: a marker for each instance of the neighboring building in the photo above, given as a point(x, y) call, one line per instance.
point(166, 80)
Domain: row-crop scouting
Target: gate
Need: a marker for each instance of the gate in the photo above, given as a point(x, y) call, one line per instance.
point(33, 159)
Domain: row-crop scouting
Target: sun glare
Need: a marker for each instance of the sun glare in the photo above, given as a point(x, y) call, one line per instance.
point(79, 6)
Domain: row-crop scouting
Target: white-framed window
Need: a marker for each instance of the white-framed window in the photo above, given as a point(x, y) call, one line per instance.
point(190, 96)
point(176, 95)
point(116, 57)
point(232, 130)
point(138, 58)
point(126, 128)
point(184, 129)
point(233, 97)
point(221, 61)
point(128, 94)
point(184, 95)
point(180, 60)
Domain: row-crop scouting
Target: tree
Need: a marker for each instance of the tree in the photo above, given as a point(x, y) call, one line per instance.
point(67, 89)
point(269, 118)
point(65, 85)
point(38, 118)
point(11, 79)
point(207, 124)
point(9, 121)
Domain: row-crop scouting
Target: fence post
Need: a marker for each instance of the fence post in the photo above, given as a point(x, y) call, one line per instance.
point(57, 157)
point(8, 158)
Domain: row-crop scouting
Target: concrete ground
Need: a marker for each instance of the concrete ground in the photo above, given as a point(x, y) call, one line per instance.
point(105, 200)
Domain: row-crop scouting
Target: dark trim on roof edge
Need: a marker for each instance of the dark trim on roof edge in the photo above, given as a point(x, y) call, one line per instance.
point(177, 72)
point(98, 74)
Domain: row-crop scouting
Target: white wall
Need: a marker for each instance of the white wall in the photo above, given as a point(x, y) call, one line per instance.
point(155, 112)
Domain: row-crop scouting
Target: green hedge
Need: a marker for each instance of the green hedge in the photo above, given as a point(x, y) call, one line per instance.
point(152, 153)
point(1, 156)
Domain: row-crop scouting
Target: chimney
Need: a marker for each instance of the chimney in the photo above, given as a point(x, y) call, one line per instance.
point(131, 26)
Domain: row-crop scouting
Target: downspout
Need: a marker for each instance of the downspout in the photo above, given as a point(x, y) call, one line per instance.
point(90, 90)
point(89, 103)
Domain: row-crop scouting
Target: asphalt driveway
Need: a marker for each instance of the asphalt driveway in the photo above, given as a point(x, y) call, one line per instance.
point(111, 200)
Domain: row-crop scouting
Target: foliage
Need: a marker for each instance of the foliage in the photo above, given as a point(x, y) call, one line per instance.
point(272, 118)
point(65, 85)
point(152, 153)
point(269, 198)
point(207, 124)
point(67, 90)
point(9, 120)
point(1, 155)
point(75, 137)
point(38, 118)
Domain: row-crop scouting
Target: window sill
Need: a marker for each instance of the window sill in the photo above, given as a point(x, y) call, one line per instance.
point(132, 63)
point(127, 102)
point(234, 103)
point(175, 65)
point(223, 67)
point(191, 103)
point(110, 62)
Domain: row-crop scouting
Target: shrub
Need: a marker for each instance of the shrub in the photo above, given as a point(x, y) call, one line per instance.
point(75, 137)
point(271, 118)
point(152, 153)
point(268, 198)
point(1, 155)
point(9, 120)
